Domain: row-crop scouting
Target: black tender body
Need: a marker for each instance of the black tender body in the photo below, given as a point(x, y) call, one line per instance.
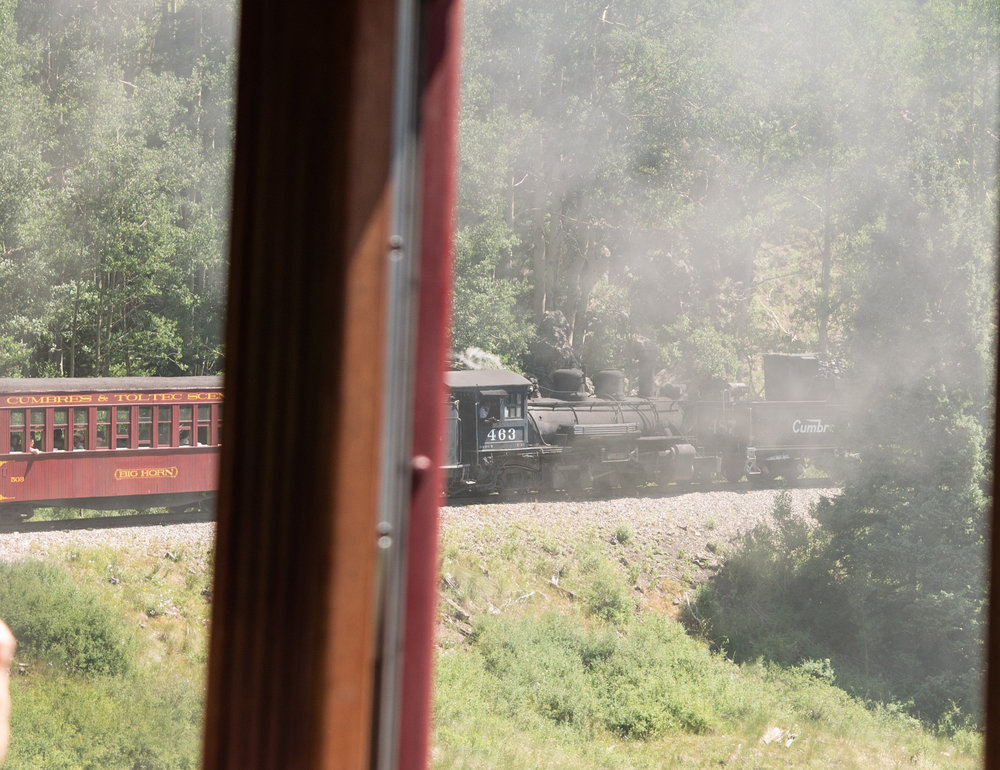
point(503, 436)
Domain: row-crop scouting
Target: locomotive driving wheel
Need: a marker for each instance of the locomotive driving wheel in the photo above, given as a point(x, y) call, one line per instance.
point(767, 474)
point(580, 481)
point(602, 484)
point(733, 465)
point(629, 481)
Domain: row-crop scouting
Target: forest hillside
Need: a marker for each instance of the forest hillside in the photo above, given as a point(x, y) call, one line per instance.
point(680, 187)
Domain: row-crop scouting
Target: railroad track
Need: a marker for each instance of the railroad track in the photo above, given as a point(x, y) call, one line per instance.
point(666, 490)
point(109, 522)
point(194, 517)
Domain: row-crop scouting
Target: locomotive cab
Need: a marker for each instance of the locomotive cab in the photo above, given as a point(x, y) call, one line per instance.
point(491, 432)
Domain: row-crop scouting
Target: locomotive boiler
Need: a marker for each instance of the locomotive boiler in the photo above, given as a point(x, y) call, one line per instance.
point(610, 439)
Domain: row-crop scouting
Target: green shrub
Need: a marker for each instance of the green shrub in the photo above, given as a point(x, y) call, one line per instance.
point(869, 601)
point(659, 680)
point(59, 623)
point(636, 682)
point(606, 596)
point(821, 669)
point(105, 722)
point(538, 664)
point(753, 606)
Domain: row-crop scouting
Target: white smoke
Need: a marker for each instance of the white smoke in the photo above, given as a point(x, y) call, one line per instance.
point(477, 358)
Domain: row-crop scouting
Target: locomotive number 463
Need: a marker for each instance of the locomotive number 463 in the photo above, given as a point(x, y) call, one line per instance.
point(504, 434)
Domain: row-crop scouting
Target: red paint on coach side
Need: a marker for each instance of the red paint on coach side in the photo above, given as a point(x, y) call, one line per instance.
point(51, 476)
point(84, 474)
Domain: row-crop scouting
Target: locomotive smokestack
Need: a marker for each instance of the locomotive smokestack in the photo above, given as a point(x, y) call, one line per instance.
point(610, 384)
point(646, 379)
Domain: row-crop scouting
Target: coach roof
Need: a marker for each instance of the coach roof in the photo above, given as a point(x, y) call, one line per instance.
point(485, 378)
point(106, 384)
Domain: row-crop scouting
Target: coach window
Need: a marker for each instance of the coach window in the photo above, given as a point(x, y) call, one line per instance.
point(36, 435)
point(204, 424)
point(103, 427)
point(186, 424)
point(60, 428)
point(80, 428)
point(164, 419)
point(17, 430)
point(123, 427)
point(145, 427)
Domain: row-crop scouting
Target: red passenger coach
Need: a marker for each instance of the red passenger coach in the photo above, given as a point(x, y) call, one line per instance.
point(106, 443)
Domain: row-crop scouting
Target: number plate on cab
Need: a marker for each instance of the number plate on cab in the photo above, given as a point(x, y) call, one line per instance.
point(500, 435)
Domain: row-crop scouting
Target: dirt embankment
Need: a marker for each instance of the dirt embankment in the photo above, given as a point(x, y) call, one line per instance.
point(678, 538)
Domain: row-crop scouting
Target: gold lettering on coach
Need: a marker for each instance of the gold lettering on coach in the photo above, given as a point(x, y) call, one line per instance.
point(129, 474)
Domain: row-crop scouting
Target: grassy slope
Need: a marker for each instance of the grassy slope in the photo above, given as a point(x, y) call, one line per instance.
point(549, 656)
point(567, 657)
point(143, 711)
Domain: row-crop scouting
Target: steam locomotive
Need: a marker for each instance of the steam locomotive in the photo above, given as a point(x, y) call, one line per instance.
point(504, 435)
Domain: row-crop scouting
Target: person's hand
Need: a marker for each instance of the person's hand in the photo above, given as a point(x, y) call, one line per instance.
point(8, 646)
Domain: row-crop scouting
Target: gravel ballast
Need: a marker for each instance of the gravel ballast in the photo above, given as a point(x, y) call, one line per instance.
point(686, 531)
point(192, 538)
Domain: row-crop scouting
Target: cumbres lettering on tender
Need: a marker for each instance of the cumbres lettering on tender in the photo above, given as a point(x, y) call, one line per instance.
point(811, 426)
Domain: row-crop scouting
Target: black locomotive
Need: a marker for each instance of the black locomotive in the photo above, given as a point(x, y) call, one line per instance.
point(506, 436)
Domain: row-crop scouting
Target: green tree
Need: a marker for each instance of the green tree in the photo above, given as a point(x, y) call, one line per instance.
point(486, 312)
point(891, 586)
point(115, 234)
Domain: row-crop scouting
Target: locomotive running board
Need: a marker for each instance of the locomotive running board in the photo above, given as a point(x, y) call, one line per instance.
point(605, 430)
